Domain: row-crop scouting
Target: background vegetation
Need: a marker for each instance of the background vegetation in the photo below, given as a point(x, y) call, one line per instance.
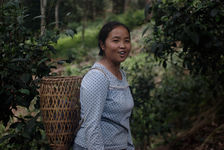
point(175, 70)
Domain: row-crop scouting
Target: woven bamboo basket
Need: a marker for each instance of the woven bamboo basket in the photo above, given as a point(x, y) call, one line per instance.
point(60, 109)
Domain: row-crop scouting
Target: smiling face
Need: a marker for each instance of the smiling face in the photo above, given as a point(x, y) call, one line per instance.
point(117, 45)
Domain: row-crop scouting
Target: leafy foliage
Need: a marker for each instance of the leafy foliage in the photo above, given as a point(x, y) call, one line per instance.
point(179, 97)
point(23, 62)
point(198, 26)
point(129, 18)
point(193, 32)
point(76, 49)
point(141, 80)
point(165, 100)
point(25, 134)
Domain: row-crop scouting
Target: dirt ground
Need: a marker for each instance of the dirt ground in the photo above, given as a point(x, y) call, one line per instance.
point(206, 137)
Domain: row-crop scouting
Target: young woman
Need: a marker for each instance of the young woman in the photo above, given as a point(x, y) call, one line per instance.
point(106, 100)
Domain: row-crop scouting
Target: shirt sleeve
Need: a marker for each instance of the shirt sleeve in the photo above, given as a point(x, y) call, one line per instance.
point(93, 95)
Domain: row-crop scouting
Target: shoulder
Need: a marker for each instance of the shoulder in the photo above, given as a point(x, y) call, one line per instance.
point(95, 77)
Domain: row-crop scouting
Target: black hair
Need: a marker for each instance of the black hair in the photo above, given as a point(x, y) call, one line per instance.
point(105, 30)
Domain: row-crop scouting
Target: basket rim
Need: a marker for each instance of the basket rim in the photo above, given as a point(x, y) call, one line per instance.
point(60, 77)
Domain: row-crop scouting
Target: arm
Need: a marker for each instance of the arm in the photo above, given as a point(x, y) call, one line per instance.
point(93, 95)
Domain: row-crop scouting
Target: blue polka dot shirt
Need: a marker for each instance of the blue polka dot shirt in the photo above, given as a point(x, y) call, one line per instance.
point(106, 105)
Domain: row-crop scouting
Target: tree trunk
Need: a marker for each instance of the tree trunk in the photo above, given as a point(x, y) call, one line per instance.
point(1, 10)
point(43, 5)
point(89, 9)
point(83, 29)
point(148, 2)
point(85, 12)
point(149, 14)
point(118, 6)
point(1, 2)
point(127, 5)
point(57, 14)
point(141, 3)
point(98, 6)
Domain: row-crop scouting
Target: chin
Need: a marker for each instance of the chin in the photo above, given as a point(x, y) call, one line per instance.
point(122, 60)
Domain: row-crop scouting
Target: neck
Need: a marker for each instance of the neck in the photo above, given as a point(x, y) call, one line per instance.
point(110, 64)
point(112, 67)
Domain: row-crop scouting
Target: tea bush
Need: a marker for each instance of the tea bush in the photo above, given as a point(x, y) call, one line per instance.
point(75, 48)
point(198, 27)
point(193, 31)
point(130, 18)
point(140, 71)
point(165, 99)
point(24, 60)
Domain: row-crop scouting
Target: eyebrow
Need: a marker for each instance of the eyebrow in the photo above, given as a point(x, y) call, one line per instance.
point(119, 37)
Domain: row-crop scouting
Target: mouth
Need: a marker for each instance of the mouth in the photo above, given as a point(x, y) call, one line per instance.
point(122, 53)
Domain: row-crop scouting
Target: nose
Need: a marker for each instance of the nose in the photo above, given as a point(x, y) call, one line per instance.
point(122, 45)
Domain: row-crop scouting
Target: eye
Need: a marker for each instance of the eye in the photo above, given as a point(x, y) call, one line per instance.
point(127, 40)
point(116, 40)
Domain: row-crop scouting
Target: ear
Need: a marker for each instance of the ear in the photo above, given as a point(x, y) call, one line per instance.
point(102, 45)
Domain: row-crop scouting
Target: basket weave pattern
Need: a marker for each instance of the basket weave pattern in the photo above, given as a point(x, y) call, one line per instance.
point(60, 109)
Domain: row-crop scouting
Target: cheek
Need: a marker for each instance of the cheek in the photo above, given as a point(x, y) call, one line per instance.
point(129, 47)
point(112, 47)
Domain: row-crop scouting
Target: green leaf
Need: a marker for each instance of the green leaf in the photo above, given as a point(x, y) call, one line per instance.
point(214, 12)
point(195, 38)
point(30, 126)
point(51, 48)
point(25, 77)
point(17, 125)
point(24, 91)
point(217, 18)
point(20, 19)
point(18, 60)
point(6, 137)
point(154, 47)
point(37, 17)
point(145, 30)
point(43, 60)
point(70, 33)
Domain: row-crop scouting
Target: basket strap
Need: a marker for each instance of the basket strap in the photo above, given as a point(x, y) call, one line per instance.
point(101, 71)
